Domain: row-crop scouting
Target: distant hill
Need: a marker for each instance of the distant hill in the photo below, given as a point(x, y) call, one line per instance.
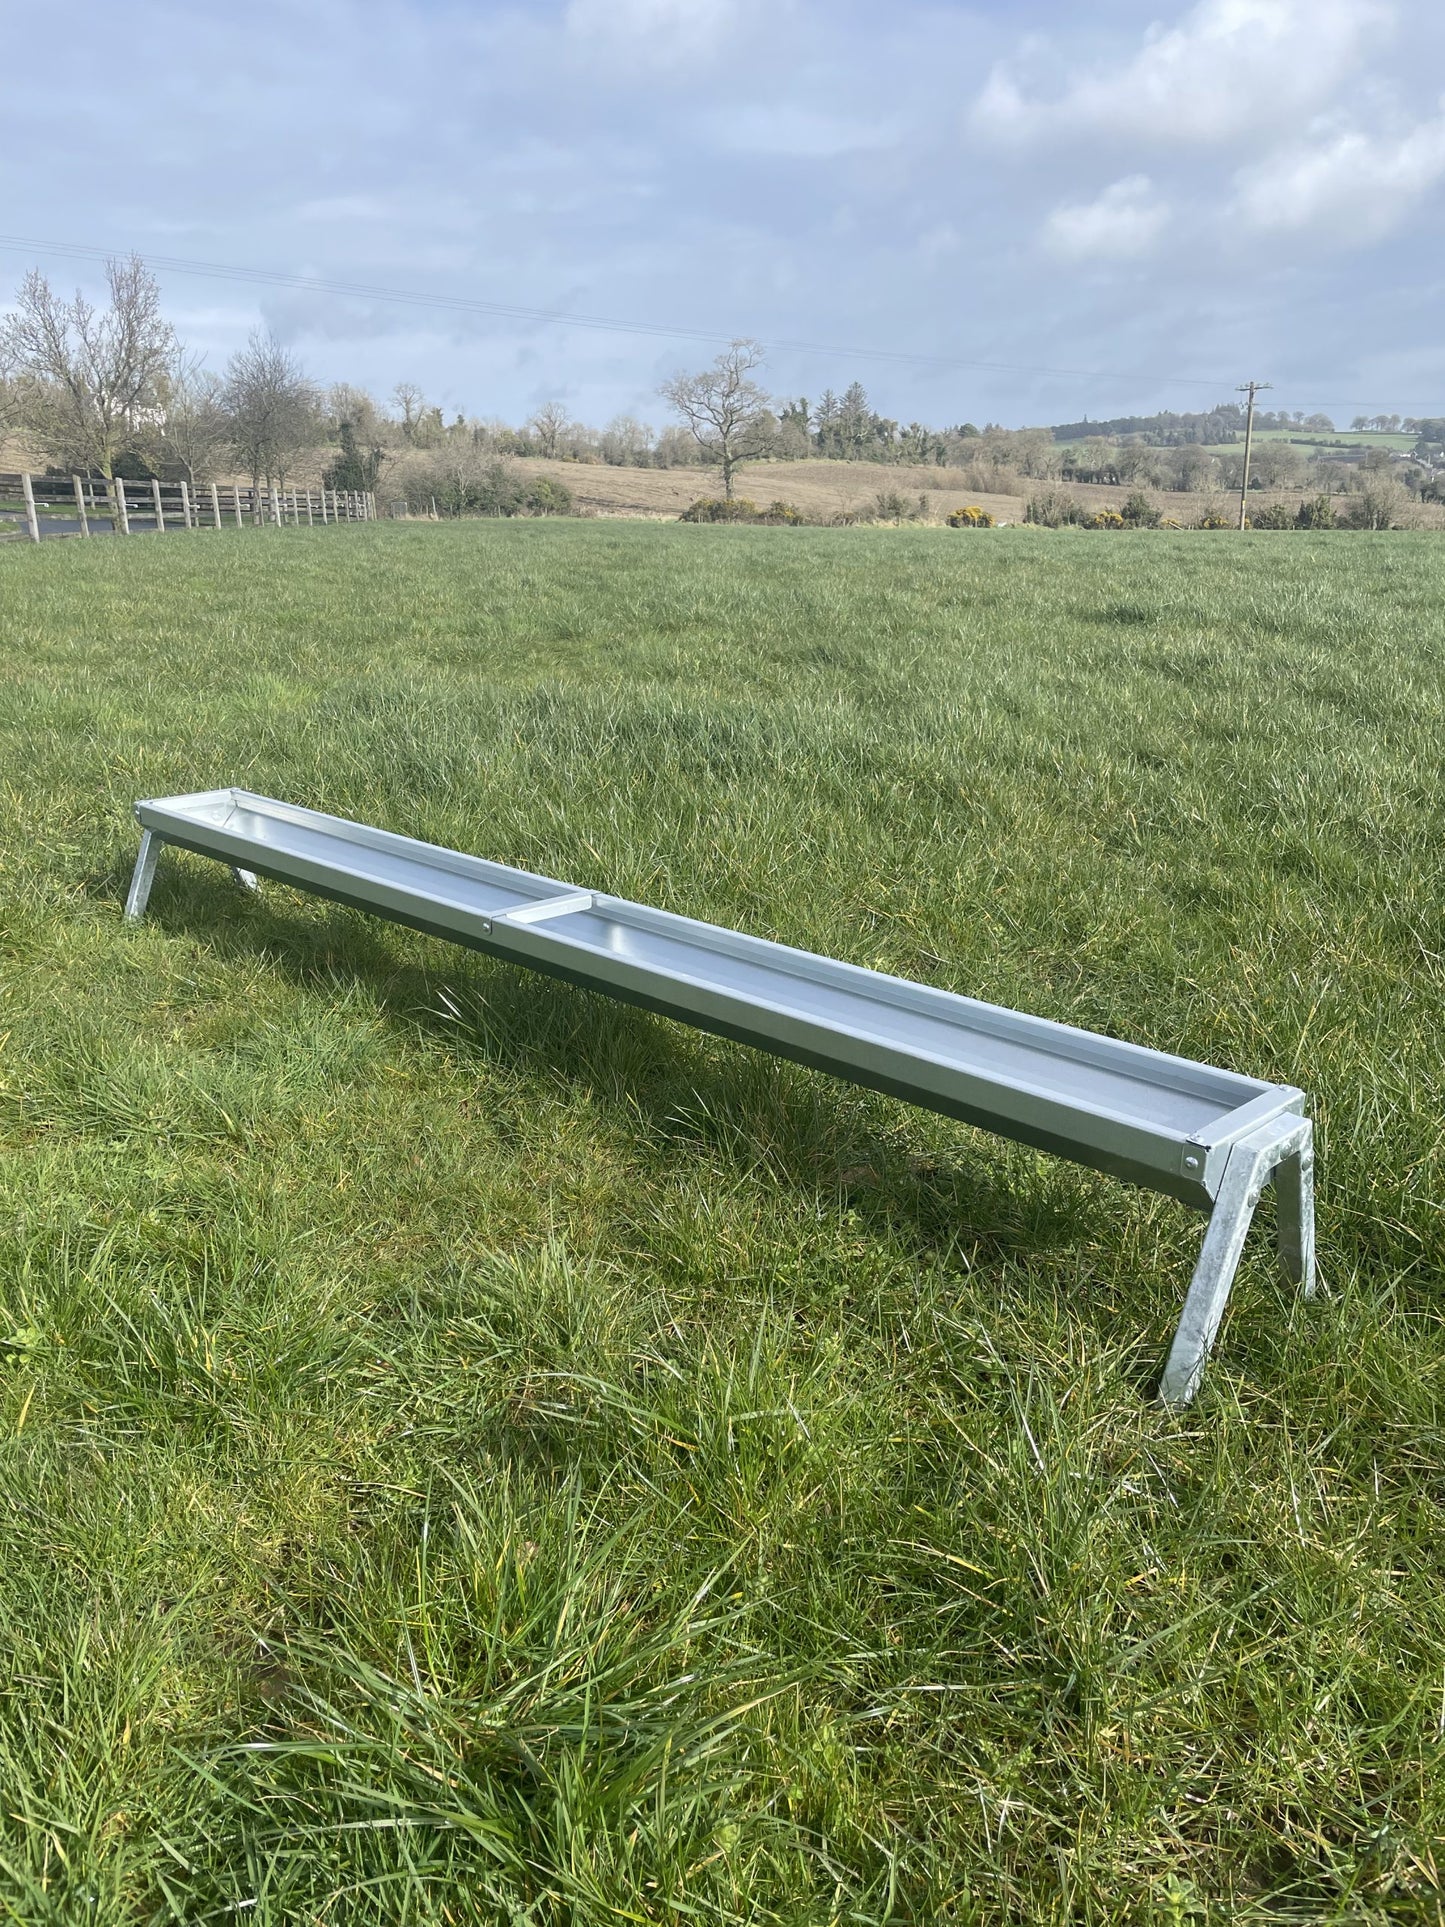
point(1165, 430)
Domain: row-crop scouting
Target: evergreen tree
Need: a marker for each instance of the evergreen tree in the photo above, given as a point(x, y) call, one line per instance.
point(353, 470)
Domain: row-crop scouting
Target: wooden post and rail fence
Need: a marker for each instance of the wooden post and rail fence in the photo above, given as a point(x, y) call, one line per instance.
point(43, 507)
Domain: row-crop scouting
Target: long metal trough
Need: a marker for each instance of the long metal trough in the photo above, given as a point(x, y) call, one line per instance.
point(1212, 1138)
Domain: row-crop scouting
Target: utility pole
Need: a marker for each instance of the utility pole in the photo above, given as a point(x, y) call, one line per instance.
point(1250, 388)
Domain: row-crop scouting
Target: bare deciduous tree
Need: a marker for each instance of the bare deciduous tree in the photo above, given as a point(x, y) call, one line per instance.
point(549, 424)
point(196, 424)
point(272, 406)
point(411, 401)
point(625, 440)
point(9, 394)
point(725, 411)
point(92, 380)
point(675, 448)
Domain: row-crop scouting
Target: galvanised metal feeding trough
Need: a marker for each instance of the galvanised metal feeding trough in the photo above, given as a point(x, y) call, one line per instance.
point(1210, 1137)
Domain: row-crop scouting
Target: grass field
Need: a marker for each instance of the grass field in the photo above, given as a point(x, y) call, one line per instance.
point(1340, 438)
point(1345, 442)
point(473, 1453)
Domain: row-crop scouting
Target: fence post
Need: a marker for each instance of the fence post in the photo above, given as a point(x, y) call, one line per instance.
point(310, 518)
point(121, 512)
point(160, 512)
point(79, 488)
point(275, 508)
point(215, 506)
point(186, 503)
point(32, 520)
point(236, 503)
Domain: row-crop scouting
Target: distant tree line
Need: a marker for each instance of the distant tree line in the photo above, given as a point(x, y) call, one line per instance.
point(1224, 423)
point(106, 390)
point(1429, 428)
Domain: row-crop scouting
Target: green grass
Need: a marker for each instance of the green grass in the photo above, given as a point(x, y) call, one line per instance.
point(473, 1453)
point(1322, 441)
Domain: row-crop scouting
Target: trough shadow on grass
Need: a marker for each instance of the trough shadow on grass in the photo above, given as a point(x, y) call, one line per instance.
point(757, 1115)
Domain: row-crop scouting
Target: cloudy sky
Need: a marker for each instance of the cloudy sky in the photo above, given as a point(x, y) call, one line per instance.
point(1023, 212)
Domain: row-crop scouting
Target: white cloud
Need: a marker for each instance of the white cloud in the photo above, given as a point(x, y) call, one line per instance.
point(657, 32)
point(1122, 223)
point(1358, 185)
point(1228, 67)
point(794, 132)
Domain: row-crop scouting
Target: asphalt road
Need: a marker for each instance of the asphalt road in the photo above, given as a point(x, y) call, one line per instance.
point(51, 525)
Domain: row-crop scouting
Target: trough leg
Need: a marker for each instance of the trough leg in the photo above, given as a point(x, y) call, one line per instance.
point(143, 876)
point(1294, 1185)
point(247, 879)
point(1251, 1164)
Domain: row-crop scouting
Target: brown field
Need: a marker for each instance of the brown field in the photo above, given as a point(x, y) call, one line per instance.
point(823, 489)
point(820, 489)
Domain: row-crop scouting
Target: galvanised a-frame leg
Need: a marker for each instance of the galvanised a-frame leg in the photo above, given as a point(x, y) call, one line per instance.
point(1282, 1150)
point(144, 876)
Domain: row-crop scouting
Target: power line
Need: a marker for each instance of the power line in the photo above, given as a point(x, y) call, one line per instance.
point(562, 317)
